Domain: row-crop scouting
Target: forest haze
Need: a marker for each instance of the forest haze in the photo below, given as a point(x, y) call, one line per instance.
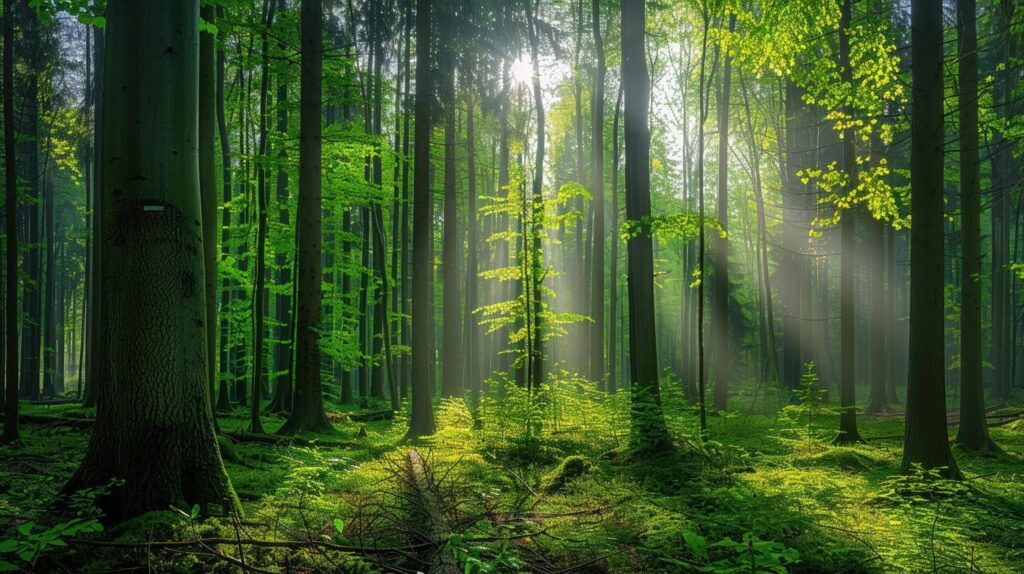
point(489, 286)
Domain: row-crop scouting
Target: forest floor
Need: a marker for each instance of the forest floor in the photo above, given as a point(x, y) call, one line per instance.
point(557, 493)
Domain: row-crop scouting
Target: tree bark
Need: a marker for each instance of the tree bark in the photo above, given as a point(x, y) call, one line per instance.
point(308, 412)
point(720, 317)
point(154, 426)
point(11, 433)
point(847, 395)
point(421, 422)
point(648, 433)
point(925, 440)
point(597, 360)
point(973, 431)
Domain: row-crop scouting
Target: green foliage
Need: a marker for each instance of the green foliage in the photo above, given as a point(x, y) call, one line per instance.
point(571, 468)
point(30, 543)
point(751, 555)
point(921, 486)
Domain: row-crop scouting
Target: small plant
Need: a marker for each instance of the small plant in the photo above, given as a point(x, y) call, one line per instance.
point(30, 543)
point(750, 555)
point(810, 397)
point(921, 486)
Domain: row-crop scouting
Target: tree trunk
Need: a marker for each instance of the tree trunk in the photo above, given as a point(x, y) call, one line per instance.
point(451, 324)
point(308, 412)
point(223, 400)
point(613, 287)
point(597, 360)
point(720, 316)
point(847, 395)
point(421, 420)
point(208, 189)
point(925, 440)
point(11, 434)
point(282, 356)
point(154, 427)
point(973, 431)
point(536, 229)
point(648, 433)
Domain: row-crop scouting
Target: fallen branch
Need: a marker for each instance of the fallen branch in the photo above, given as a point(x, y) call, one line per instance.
point(48, 420)
point(247, 437)
point(295, 544)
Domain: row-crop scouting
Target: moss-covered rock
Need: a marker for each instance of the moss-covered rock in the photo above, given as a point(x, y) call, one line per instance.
point(227, 449)
point(571, 468)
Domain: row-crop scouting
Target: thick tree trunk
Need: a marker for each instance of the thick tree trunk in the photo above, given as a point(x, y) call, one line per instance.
point(93, 329)
point(154, 427)
point(421, 421)
point(308, 412)
point(648, 433)
point(925, 440)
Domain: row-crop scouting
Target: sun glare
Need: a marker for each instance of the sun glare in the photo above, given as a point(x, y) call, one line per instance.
point(522, 71)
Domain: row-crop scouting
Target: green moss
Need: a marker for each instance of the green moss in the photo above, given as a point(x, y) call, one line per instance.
point(571, 468)
point(227, 449)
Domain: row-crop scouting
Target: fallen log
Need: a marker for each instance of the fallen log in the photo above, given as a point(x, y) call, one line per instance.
point(55, 402)
point(370, 416)
point(438, 556)
point(49, 420)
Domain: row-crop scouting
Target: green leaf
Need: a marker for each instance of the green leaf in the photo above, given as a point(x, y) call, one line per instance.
point(339, 525)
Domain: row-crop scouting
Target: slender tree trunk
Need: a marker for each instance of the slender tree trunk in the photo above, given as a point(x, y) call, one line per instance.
point(11, 434)
point(223, 400)
point(93, 328)
point(597, 359)
point(406, 375)
point(154, 427)
point(471, 332)
point(536, 275)
point(308, 412)
point(925, 440)
point(208, 188)
point(973, 431)
point(451, 324)
point(421, 421)
point(720, 317)
point(648, 433)
point(847, 396)
point(283, 302)
point(613, 287)
point(260, 270)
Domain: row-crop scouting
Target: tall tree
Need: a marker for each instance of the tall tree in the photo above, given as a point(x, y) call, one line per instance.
point(597, 360)
point(648, 432)
point(421, 421)
point(451, 323)
point(154, 427)
point(11, 434)
point(223, 401)
point(208, 186)
point(720, 302)
point(847, 395)
point(535, 297)
point(308, 412)
point(973, 431)
point(925, 440)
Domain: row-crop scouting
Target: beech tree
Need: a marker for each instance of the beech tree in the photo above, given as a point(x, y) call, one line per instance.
point(154, 426)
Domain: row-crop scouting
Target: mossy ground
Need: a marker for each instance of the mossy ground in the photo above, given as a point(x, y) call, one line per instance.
point(760, 475)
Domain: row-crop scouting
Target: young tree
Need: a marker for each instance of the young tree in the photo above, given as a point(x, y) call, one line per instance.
point(308, 412)
point(421, 421)
point(648, 433)
point(154, 427)
point(925, 440)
